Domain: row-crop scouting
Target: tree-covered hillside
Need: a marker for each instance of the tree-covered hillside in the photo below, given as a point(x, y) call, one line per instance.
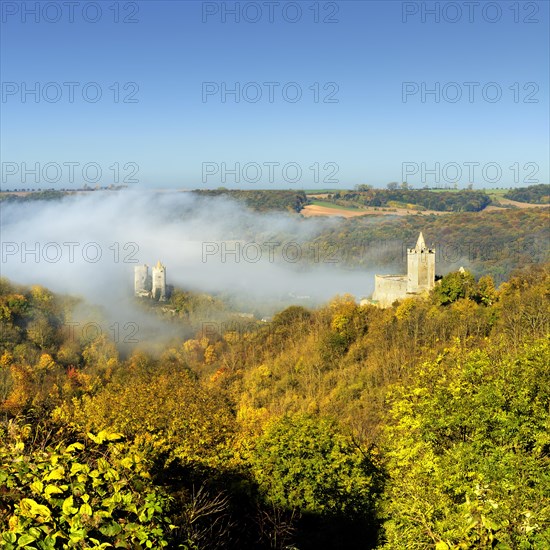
point(534, 194)
point(441, 201)
point(493, 243)
point(48, 195)
point(262, 200)
point(423, 425)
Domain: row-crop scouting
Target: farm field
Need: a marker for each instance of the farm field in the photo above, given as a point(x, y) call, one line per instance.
point(320, 207)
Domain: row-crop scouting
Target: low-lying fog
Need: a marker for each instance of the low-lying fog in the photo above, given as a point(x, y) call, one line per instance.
point(88, 245)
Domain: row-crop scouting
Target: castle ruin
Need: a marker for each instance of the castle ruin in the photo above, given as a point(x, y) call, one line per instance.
point(150, 286)
point(420, 277)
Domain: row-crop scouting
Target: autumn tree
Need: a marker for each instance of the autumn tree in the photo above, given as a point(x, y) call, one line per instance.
point(163, 409)
point(467, 453)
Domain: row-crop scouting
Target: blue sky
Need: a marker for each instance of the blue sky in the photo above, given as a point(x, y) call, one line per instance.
point(172, 135)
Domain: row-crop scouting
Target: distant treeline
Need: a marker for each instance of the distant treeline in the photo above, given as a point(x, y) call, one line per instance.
point(25, 195)
point(262, 200)
point(442, 201)
point(534, 194)
point(48, 195)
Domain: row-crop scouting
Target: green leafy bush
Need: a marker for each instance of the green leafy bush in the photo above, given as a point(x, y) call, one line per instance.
point(467, 453)
point(94, 495)
point(305, 463)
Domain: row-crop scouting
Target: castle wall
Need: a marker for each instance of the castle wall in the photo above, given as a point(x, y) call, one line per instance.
point(388, 288)
point(431, 270)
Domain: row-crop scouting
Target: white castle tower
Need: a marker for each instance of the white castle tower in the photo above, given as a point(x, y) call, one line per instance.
point(142, 281)
point(420, 277)
point(159, 282)
point(420, 267)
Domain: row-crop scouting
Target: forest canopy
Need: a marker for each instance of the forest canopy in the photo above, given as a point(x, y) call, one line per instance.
point(534, 194)
point(441, 201)
point(261, 200)
point(423, 425)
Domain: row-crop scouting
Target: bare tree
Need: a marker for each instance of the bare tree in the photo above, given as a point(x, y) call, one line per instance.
point(205, 519)
point(276, 526)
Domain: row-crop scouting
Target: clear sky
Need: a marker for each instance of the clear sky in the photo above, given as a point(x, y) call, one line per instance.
point(166, 117)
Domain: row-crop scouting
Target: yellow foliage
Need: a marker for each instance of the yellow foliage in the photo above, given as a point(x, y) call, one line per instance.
point(101, 353)
point(232, 337)
point(405, 309)
point(343, 303)
point(41, 295)
point(165, 411)
point(193, 349)
point(204, 342)
point(22, 388)
point(339, 322)
point(210, 355)
point(263, 371)
point(313, 407)
point(251, 419)
point(6, 359)
point(45, 364)
point(464, 306)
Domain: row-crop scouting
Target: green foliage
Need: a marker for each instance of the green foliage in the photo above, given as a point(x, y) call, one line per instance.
point(262, 200)
point(48, 195)
point(534, 194)
point(293, 320)
point(467, 452)
point(195, 308)
point(454, 286)
point(306, 463)
point(97, 495)
point(461, 201)
point(290, 316)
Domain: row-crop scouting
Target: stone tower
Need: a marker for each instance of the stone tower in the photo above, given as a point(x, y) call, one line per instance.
point(159, 282)
point(420, 267)
point(142, 280)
